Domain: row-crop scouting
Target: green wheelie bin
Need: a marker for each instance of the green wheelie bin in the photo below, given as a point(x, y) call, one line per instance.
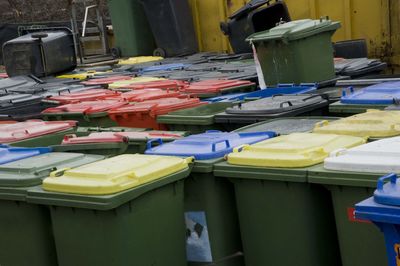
point(283, 219)
point(124, 210)
point(85, 131)
point(210, 212)
point(25, 228)
point(343, 109)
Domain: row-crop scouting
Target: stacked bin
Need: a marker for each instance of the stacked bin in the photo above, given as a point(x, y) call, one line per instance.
point(25, 228)
point(210, 210)
point(125, 209)
point(283, 219)
point(212, 88)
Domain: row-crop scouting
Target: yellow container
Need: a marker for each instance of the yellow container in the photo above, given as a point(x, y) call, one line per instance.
point(115, 174)
point(373, 124)
point(294, 150)
point(139, 60)
point(122, 83)
point(80, 75)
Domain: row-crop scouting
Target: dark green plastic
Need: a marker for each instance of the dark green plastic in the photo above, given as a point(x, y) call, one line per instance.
point(25, 228)
point(43, 141)
point(361, 243)
point(85, 131)
point(140, 226)
point(283, 219)
point(242, 88)
point(100, 119)
point(195, 120)
point(285, 126)
point(133, 35)
point(342, 109)
point(215, 197)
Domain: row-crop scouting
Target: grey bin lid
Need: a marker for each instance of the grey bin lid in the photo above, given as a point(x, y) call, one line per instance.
point(14, 99)
point(295, 30)
point(276, 104)
point(16, 82)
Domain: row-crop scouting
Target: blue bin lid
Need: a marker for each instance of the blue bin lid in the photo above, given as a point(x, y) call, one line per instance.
point(265, 93)
point(210, 145)
point(382, 93)
point(11, 154)
point(165, 67)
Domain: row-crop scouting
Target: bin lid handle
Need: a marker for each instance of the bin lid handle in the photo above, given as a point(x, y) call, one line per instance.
point(381, 181)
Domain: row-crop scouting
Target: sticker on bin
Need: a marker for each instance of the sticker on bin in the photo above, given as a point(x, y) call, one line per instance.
point(216, 86)
point(293, 150)
point(8, 154)
point(160, 84)
point(381, 156)
point(198, 247)
point(382, 93)
point(32, 128)
point(104, 81)
point(123, 83)
point(89, 107)
point(209, 145)
point(107, 137)
point(115, 174)
point(139, 60)
point(147, 95)
point(373, 123)
point(89, 95)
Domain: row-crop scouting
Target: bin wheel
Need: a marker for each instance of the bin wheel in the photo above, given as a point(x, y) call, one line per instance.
point(159, 52)
point(116, 52)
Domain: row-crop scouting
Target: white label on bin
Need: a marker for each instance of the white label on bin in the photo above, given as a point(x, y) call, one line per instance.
point(198, 247)
point(260, 74)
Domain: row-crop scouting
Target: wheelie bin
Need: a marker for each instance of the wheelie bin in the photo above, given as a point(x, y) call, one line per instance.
point(25, 228)
point(212, 88)
point(351, 176)
point(210, 212)
point(278, 209)
point(125, 209)
point(82, 96)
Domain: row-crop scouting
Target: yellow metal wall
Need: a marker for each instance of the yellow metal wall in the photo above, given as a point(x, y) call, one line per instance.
point(374, 20)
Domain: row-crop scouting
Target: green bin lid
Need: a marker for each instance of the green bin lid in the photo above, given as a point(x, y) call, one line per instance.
point(295, 30)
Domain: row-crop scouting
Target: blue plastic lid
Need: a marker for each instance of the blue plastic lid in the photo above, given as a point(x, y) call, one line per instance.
point(265, 93)
point(210, 145)
point(383, 93)
point(8, 154)
point(165, 67)
point(388, 193)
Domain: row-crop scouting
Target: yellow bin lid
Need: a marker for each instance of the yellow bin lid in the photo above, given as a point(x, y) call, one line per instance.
point(294, 150)
point(115, 174)
point(139, 60)
point(373, 123)
point(79, 75)
point(122, 83)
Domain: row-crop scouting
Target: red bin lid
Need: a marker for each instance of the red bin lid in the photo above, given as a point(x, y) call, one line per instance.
point(89, 95)
point(148, 94)
point(214, 86)
point(89, 107)
point(32, 128)
point(108, 80)
point(159, 84)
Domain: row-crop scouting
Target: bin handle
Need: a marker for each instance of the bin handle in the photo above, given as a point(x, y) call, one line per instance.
point(150, 142)
point(59, 172)
point(348, 90)
point(241, 148)
point(381, 181)
point(321, 124)
point(338, 152)
point(214, 145)
point(213, 131)
point(283, 103)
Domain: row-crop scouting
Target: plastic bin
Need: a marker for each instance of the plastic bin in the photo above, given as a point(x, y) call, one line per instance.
point(372, 124)
point(383, 93)
point(85, 131)
point(105, 81)
point(48, 90)
point(35, 133)
point(147, 95)
point(131, 28)
point(82, 96)
point(160, 84)
point(274, 107)
point(351, 176)
point(123, 83)
point(212, 88)
point(383, 210)
point(265, 93)
point(210, 211)
point(342, 109)
point(250, 19)
point(195, 120)
point(306, 44)
point(139, 60)
point(144, 114)
point(25, 228)
point(172, 25)
point(93, 113)
point(125, 208)
point(288, 125)
point(115, 143)
point(270, 180)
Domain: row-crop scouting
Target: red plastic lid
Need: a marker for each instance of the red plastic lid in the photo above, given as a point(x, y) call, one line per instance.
point(213, 86)
point(89, 95)
point(117, 137)
point(109, 80)
point(148, 94)
point(159, 84)
point(3, 75)
point(32, 128)
point(158, 107)
point(86, 107)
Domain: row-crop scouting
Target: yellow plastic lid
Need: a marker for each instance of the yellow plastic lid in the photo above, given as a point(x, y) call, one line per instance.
point(139, 60)
point(80, 75)
point(294, 150)
point(373, 123)
point(122, 83)
point(115, 174)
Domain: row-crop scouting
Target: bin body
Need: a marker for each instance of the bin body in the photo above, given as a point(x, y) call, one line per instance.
point(132, 31)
